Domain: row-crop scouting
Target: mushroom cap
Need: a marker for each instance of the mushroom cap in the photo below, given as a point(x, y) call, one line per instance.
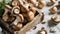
point(53, 1)
point(43, 32)
point(53, 10)
point(17, 27)
point(21, 17)
point(56, 19)
point(30, 15)
point(14, 3)
point(16, 11)
point(42, 3)
point(32, 9)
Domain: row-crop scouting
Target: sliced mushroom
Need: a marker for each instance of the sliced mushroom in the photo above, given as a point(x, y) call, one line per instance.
point(32, 9)
point(53, 10)
point(41, 4)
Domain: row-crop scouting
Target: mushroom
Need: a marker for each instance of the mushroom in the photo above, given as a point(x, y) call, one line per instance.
point(41, 3)
point(32, 9)
point(16, 10)
point(30, 15)
point(55, 19)
point(53, 10)
point(33, 2)
point(7, 8)
point(1, 0)
point(14, 3)
point(51, 3)
point(42, 31)
point(17, 27)
point(21, 17)
point(52, 30)
point(5, 17)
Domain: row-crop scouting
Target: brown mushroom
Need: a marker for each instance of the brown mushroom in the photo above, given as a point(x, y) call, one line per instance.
point(14, 3)
point(33, 2)
point(55, 19)
point(53, 10)
point(42, 31)
point(5, 17)
point(30, 16)
point(21, 17)
point(32, 9)
point(41, 4)
point(16, 10)
point(8, 7)
point(52, 2)
point(17, 27)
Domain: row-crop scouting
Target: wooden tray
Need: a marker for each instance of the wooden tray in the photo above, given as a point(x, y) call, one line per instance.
point(30, 25)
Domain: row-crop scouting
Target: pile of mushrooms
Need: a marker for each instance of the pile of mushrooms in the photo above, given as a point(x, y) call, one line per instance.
point(19, 13)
